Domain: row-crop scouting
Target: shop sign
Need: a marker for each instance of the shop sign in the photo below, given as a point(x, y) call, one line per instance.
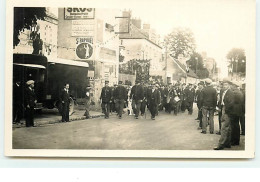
point(79, 13)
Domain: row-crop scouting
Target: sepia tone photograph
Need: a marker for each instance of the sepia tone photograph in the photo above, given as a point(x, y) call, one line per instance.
point(169, 81)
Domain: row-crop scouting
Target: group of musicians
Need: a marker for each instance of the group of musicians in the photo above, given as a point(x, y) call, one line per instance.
point(172, 97)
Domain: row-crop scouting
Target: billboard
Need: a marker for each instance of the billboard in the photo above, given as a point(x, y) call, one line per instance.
point(84, 48)
point(79, 13)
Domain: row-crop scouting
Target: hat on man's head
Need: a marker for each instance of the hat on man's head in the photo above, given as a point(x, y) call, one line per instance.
point(226, 80)
point(208, 81)
point(120, 82)
point(236, 83)
point(29, 82)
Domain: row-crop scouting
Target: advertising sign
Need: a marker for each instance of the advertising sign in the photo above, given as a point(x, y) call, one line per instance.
point(79, 13)
point(84, 48)
point(82, 28)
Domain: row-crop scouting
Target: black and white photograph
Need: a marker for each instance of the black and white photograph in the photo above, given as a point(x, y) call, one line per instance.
point(154, 79)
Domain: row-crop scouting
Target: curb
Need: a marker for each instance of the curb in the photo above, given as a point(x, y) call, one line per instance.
point(42, 123)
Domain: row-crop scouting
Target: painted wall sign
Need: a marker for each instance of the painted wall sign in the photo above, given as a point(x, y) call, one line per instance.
point(82, 28)
point(84, 48)
point(79, 13)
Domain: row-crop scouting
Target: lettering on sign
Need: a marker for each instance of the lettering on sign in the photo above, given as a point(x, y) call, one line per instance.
point(79, 13)
point(84, 48)
point(82, 28)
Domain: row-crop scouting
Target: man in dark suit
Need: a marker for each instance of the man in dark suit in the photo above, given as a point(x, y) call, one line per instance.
point(189, 95)
point(144, 101)
point(18, 107)
point(226, 103)
point(137, 96)
point(199, 103)
point(209, 103)
point(153, 99)
point(237, 112)
point(242, 117)
point(120, 95)
point(30, 100)
point(106, 99)
point(65, 101)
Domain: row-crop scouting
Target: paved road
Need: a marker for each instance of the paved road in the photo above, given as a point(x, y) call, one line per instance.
point(167, 132)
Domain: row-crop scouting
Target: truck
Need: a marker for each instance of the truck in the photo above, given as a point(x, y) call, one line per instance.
point(50, 76)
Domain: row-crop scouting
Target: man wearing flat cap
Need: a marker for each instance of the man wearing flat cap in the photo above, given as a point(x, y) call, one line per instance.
point(209, 103)
point(106, 99)
point(120, 95)
point(226, 105)
point(30, 101)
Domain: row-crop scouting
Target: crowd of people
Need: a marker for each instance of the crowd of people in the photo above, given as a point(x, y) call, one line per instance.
point(225, 99)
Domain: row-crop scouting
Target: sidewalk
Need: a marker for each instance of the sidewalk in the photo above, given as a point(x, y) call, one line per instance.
point(51, 116)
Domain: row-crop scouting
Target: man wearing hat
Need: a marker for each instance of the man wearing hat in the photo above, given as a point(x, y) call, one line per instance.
point(199, 103)
point(120, 95)
point(106, 99)
point(189, 95)
point(209, 103)
point(87, 102)
point(30, 101)
point(226, 105)
point(237, 112)
point(153, 99)
point(65, 101)
point(137, 96)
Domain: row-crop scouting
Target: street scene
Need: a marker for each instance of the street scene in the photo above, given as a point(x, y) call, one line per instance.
point(168, 132)
point(117, 79)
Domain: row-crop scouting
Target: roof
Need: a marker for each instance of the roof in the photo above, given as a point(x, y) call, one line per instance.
point(183, 68)
point(136, 33)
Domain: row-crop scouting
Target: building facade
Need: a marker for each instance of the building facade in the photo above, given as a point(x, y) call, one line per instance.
point(89, 35)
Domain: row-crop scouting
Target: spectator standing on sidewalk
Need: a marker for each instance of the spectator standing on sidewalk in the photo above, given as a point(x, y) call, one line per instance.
point(106, 99)
point(18, 107)
point(226, 103)
point(237, 112)
point(209, 103)
point(65, 101)
point(30, 101)
point(87, 102)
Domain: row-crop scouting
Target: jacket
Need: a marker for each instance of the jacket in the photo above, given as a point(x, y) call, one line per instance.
point(209, 97)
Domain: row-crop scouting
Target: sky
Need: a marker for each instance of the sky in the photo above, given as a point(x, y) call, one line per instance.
point(218, 26)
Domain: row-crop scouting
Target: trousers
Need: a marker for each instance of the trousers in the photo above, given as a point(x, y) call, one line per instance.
point(205, 112)
point(225, 138)
point(136, 105)
point(105, 108)
point(120, 106)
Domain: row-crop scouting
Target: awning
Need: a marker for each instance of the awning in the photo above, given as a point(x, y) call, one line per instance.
point(68, 62)
point(31, 65)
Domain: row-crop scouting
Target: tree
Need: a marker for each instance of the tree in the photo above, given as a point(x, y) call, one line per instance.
point(25, 18)
point(196, 64)
point(237, 60)
point(180, 41)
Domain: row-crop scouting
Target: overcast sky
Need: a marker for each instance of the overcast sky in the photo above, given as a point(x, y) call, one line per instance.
point(218, 25)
